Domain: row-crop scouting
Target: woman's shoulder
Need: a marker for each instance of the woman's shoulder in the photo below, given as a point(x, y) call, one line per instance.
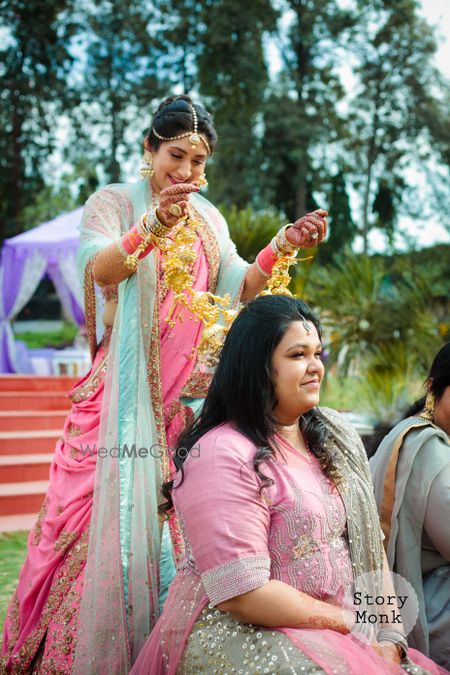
point(338, 420)
point(418, 430)
point(112, 194)
point(226, 439)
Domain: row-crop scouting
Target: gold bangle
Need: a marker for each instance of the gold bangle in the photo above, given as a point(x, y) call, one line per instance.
point(280, 244)
point(155, 226)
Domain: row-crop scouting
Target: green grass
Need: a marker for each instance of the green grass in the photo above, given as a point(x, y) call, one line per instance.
point(58, 338)
point(13, 548)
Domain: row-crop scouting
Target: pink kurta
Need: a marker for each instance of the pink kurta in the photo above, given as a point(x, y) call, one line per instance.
point(237, 539)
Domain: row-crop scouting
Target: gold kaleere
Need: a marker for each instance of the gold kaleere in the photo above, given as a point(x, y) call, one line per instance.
point(132, 260)
point(178, 255)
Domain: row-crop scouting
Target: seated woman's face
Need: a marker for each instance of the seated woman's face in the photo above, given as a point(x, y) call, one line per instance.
point(441, 415)
point(297, 372)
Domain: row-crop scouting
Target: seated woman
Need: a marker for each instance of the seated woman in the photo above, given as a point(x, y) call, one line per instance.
point(275, 499)
point(411, 473)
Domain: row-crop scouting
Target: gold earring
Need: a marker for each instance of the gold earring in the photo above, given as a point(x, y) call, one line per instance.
point(146, 169)
point(203, 183)
point(428, 411)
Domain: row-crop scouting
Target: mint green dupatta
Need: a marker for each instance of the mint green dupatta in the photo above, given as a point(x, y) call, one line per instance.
point(120, 602)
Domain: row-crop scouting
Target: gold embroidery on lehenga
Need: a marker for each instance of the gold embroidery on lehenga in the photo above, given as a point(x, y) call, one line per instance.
point(13, 631)
point(64, 541)
point(89, 388)
point(62, 583)
point(177, 407)
point(37, 529)
point(197, 385)
point(73, 431)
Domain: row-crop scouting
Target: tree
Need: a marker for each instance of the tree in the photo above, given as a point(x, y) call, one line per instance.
point(300, 114)
point(341, 226)
point(232, 77)
point(117, 81)
point(390, 122)
point(33, 79)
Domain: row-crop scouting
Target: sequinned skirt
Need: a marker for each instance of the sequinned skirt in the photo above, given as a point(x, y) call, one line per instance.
point(219, 643)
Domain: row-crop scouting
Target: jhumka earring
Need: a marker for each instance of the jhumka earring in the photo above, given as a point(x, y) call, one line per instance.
point(146, 169)
point(203, 183)
point(428, 411)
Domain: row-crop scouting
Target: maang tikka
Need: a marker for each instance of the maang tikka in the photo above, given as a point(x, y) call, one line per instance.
point(146, 169)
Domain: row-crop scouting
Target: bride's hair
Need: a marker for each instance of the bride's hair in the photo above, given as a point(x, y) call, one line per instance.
point(174, 116)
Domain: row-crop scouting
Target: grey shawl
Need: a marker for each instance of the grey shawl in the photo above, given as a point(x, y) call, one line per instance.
point(408, 461)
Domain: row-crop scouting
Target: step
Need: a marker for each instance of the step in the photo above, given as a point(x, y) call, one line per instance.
point(36, 383)
point(28, 442)
point(21, 468)
point(22, 498)
point(28, 420)
point(51, 400)
point(24, 521)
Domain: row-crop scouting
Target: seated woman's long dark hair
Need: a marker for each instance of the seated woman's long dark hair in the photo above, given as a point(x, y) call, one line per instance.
point(242, 391)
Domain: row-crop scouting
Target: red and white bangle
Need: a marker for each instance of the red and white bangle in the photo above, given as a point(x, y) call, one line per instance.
point(278, 247)
point(130, 241)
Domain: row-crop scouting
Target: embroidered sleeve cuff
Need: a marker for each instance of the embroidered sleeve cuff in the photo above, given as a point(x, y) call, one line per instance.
point(236, 577)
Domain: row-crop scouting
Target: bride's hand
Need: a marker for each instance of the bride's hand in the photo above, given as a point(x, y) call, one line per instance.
point(174, 201)
point(309, 230)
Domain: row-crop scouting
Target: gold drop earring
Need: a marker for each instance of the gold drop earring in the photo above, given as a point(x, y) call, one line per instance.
point(146, 169)
point(203, 183)
point(428, 411)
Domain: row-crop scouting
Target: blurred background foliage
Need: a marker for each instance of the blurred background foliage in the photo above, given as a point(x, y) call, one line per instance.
point(315, 104)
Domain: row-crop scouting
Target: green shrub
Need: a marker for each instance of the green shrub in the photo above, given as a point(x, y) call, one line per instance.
point(60, 338)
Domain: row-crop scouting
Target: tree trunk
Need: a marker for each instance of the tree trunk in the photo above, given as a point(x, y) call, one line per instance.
point(114, 168)
point(17, 168)
point(300, 194)
point(371, 157)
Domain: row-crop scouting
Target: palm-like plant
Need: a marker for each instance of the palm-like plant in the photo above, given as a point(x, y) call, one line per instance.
point(370, 309)
point(251, 230)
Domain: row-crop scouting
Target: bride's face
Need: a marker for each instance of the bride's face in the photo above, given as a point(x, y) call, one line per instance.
point(177, 162)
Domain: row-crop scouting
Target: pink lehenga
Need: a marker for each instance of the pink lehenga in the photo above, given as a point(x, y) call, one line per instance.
point(301, 530)
point(88, 593)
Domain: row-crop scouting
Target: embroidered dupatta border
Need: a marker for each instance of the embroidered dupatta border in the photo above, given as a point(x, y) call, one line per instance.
point(89, 306)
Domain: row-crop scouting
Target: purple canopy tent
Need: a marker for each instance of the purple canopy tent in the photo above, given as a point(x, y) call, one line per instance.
point(49, 249)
